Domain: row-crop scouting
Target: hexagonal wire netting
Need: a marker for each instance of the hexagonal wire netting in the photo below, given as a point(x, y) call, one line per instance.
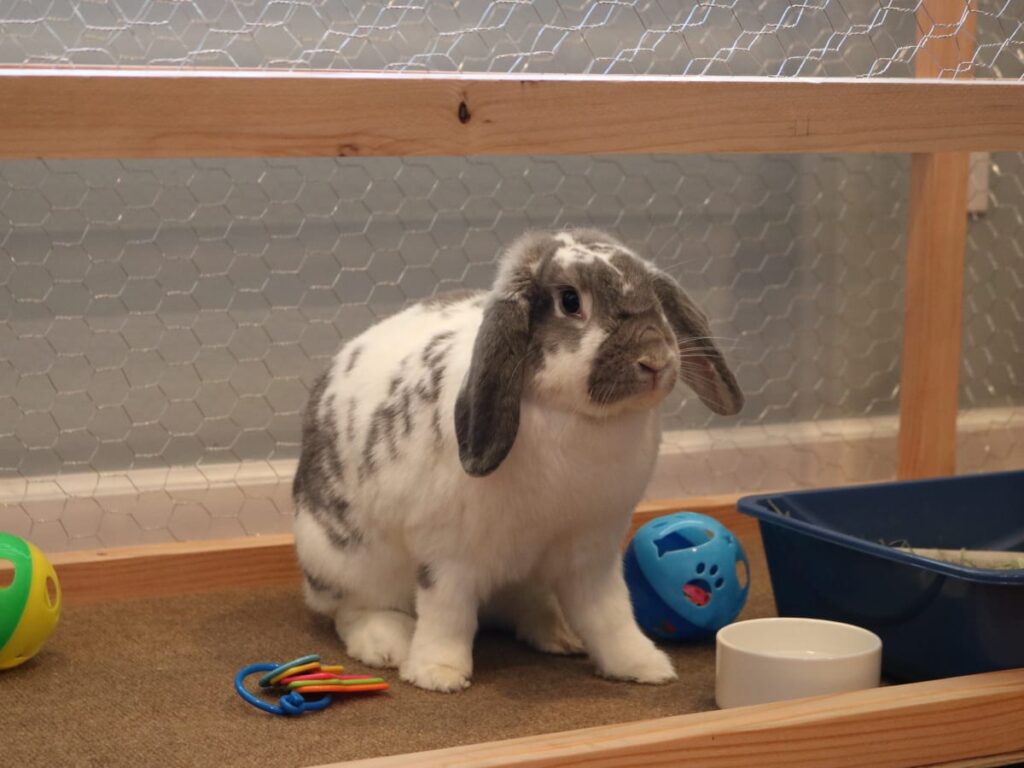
point(712, 37)
point(161, 321)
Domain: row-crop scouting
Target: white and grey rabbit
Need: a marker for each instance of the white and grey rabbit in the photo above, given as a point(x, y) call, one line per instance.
point(480, 455)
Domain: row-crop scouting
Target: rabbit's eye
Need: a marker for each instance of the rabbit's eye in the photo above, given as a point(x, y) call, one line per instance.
point(570, 301)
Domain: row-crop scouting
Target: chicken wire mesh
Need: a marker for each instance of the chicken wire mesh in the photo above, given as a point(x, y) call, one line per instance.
point(991, 424)
point(161, 321)
point(716, 37)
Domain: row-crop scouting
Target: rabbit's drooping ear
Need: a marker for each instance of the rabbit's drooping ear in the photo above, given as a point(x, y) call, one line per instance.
point(487, 408)
point(702, 366)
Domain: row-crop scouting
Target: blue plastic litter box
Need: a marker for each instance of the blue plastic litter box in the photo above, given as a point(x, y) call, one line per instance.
point(830, 557)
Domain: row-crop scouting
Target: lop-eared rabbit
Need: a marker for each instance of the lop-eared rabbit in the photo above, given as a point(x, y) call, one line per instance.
point(477, 457)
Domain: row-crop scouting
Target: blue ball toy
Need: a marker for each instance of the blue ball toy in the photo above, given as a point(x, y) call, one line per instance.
point(685, 576)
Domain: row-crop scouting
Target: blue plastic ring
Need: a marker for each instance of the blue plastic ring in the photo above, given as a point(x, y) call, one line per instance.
point(291, 704)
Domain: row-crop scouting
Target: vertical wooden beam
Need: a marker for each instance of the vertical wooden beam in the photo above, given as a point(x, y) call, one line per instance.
point(930, 364)
point(936, 239)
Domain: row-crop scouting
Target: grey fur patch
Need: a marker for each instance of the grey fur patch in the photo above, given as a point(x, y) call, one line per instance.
point(331, 515)
point(316, 394)
point(425, 576)
point(591, 237)
point(429, 389)
point(434, 358)
point(384, 421)
point(335, 467)
point(350, 421)
point(522, 259)
point(309, 468)
point(432, 353)
point(405, 411)
point(552, 334)
point(353, 358)
point(368, 466)
point(707, 374)
point(435, 423)
point(615, 373)
point(318, 486)
point(319, 585)
point(381, 432)
point(393, 418)
point(339, 507)
point(487, 407)
point(631, 270)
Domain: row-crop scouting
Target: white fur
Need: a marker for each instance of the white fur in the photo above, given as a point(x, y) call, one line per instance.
point(559, 382)
point(579, 253)
point(547, 523)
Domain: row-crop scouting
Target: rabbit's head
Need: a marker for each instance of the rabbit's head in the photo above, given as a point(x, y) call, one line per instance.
point(579, 322)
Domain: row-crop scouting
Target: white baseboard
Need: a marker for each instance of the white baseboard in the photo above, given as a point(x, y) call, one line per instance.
point(821, 453)
point(94, 510)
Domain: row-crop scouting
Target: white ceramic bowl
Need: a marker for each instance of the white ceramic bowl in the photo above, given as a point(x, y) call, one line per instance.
point(764, 660)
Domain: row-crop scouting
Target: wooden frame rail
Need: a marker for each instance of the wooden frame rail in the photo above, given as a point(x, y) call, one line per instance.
point(908, 725)
point(154, 570)
point(46, 112)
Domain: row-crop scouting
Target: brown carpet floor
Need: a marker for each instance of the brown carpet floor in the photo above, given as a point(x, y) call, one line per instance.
point(149, 682)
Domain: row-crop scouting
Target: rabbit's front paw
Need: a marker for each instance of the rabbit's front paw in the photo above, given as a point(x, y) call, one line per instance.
point(652, 667)
point(434, 677)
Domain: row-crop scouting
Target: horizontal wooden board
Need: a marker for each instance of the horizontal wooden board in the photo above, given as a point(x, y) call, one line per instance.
point(92, 576)
point(908, 725)
point(152, 570)
point(46, 112)
point(721, 507)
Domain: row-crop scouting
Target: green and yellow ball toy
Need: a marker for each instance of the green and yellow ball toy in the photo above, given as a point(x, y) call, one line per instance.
point(29, 604)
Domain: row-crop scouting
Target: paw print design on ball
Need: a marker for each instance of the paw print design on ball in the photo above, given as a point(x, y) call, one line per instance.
point(688, 576)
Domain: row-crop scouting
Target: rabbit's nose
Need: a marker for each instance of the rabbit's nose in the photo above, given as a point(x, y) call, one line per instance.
point(652, 367)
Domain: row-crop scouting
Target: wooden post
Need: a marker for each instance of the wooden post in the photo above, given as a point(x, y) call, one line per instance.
point(936, 239)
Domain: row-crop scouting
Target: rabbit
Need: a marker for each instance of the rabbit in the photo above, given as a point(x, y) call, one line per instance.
point(477, 457)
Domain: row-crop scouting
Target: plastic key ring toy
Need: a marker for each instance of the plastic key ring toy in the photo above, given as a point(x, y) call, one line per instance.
point(291, 703)
point(313, 666)
point(290, 668)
